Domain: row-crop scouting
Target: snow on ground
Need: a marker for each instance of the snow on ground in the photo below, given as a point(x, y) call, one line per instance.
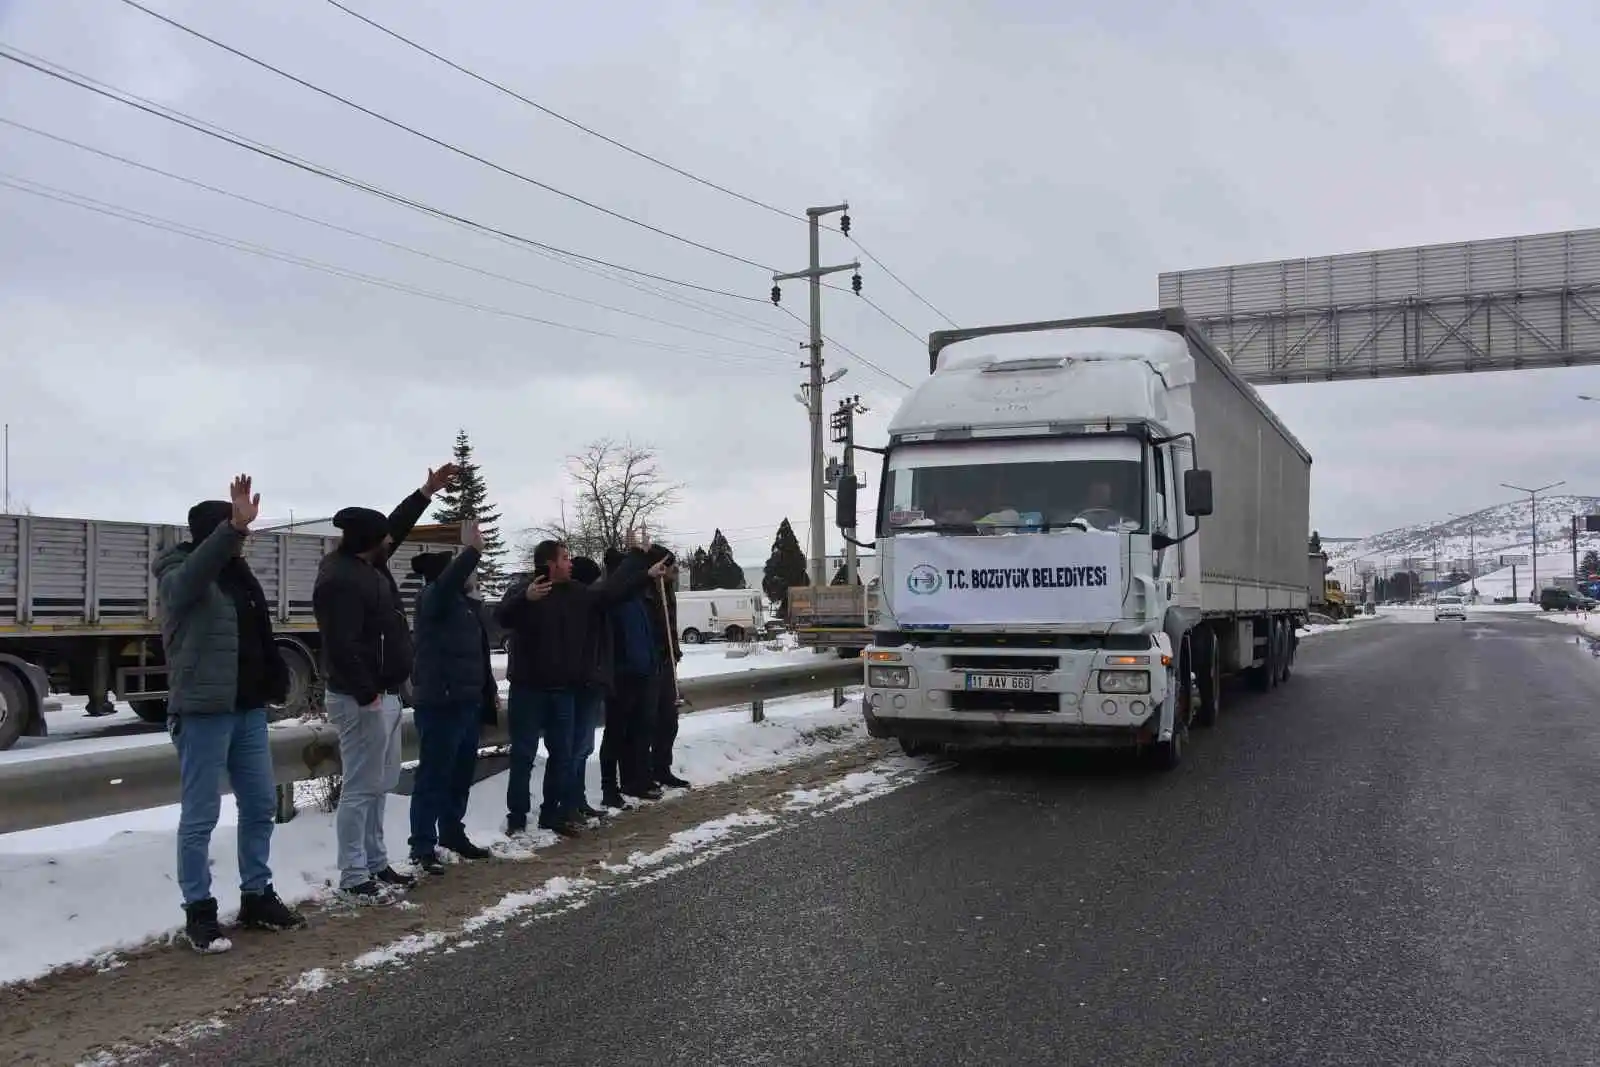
point(95, 886)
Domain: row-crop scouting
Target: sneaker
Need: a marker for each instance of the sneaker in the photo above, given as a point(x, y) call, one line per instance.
point(369, 893)
point(393, 878)
point(591, 813)
point(647, 792)
point(200, 927)
point(612, 798)
point(267, 911)
point(466, 849)
point(428, 863)
point(669, 780)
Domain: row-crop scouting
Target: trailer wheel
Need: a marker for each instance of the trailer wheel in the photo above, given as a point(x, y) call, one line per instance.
point(1208, 676)
point(16, 708)
point(153, 710)
point(691, 636)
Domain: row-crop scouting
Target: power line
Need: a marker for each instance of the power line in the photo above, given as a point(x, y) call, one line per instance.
point(921, 340)
point(903, 283)
point(441, 143)
point(500, 87)
point(157, 222)
point(863, 360)
point(209, 129)
point(574, 123)
point(378, 240)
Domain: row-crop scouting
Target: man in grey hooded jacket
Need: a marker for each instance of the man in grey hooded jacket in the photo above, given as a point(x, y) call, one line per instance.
point(223, 668)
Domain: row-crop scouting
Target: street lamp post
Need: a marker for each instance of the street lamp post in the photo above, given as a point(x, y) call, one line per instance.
point(1533, 505)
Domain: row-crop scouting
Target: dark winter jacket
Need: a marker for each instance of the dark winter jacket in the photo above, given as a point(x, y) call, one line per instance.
point(211, 608)
point(602, 669)
point(366, 640)
point(554, 643)
point(634, 639)
point(452, 651)
point(661, 601)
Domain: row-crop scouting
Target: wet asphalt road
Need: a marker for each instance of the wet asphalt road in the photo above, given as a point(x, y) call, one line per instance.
point(1394, 859)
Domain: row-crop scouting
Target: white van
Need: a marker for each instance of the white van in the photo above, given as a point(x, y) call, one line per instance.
point(734, 614)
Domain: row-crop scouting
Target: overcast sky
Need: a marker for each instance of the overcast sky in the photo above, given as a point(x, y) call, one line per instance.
point(1008, 160)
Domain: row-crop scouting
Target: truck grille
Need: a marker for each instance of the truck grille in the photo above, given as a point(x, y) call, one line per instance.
point(977, 662)
point(962, 700)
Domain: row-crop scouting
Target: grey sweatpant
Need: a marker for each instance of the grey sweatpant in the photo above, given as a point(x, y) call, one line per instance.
point(369, 749)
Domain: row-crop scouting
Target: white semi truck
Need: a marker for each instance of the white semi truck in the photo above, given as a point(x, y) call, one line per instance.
point(1078, 544)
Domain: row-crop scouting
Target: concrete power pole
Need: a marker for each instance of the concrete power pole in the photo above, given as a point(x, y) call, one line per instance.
point(813, 388)
point(1533, 507)
point(843, 432)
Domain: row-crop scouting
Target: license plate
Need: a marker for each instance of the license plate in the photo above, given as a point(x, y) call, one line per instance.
point(1010, 683)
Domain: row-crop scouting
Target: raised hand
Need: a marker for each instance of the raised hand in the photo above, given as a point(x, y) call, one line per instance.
point(659, 569)
point(440, 478)
point(538, 589)
point(245, 506)
point(472, 535)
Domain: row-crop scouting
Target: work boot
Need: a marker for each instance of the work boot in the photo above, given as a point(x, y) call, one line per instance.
point(428, 863)
point(267, 911)
point(643, 792)
point(394, 879)
point(671, 781)
point(612, 798)
point(368, 894)
point(561, 827)
point(200, 927)
point(465, 848)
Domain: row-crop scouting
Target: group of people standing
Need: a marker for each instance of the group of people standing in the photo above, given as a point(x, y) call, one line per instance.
point(586, 647)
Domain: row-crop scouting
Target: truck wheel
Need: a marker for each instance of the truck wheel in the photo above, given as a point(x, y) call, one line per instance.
point(305, 694)
point(1286, 651)
point(152, 710)
point(1166, 755)
point(16, 706)
point(1264, 677)
point(734, 634)
point(691, 636)
point(1208, 676)
point(914, 748)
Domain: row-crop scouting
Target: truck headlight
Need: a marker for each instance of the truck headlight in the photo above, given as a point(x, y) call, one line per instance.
point(889, 677)
point(1124, 681)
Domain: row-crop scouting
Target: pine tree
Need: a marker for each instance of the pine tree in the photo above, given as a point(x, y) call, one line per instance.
point(724, 571)
point(1591, 563)
point(700, 570)
point(786, 567)
point(469, 499)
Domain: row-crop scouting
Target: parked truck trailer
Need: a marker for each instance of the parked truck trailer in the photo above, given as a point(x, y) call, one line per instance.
point(78, 613)
point(1077, 546)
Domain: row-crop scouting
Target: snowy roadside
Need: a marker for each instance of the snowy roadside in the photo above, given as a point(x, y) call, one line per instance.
point(1588, 622)
point(104, 884)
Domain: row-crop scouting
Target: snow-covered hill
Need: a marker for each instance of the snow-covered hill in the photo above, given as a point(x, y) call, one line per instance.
point(1504, 529)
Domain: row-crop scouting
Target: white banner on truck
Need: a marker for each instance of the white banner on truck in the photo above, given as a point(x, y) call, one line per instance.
point(1022, 578)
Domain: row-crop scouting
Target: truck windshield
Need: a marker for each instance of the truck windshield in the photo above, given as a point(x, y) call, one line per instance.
point(1003, 487)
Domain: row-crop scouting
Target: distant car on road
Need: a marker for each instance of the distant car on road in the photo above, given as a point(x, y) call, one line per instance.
point(1449, 607)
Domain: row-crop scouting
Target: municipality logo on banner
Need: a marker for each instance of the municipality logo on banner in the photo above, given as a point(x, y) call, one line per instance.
point(924, 579)
point(1032, 579)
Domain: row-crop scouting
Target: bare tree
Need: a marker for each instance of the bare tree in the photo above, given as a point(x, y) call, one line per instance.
point(617, 487)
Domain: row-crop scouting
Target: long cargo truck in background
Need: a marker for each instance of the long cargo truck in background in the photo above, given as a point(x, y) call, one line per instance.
point(1077, 544)
point(832, 616)
point(78, 613)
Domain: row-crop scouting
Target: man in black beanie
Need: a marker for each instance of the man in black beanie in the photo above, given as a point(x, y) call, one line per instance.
point(223, 668)
point(367, 656)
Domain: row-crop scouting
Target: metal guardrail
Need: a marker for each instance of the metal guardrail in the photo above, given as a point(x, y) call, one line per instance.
point(50, 790)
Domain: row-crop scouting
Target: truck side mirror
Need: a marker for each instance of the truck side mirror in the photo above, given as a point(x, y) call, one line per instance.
point(1196, 493)
point(845, 499)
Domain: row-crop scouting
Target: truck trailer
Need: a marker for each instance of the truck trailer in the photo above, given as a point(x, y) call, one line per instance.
point(1076, 547)
point(78, 613)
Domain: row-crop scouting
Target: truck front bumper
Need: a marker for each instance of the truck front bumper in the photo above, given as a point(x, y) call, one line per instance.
point(1063, 705)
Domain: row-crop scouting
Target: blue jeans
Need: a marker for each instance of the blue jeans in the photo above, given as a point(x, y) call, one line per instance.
point(208, 746)
point(448, 739)
point(589, 713)
point(369, 753)
point(534, 714)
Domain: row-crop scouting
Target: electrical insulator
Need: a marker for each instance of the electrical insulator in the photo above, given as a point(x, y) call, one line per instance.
point(855, 281)
point(777, 294)
point(844, 224)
